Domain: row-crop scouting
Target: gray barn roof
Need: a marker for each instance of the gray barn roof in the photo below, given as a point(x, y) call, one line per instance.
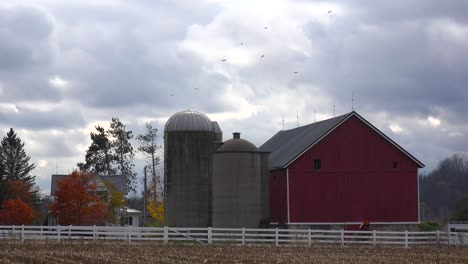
point(120, 181)
point(287, 145)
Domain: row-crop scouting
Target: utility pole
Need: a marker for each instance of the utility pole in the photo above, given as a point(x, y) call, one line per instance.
point(145, 190)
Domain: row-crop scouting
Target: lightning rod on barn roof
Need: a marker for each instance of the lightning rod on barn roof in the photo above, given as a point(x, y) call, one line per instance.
point(297, 116)
point(352, 100)
point(282, 116)
point(334, 107)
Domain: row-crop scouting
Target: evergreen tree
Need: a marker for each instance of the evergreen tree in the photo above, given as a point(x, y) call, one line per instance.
point(14, 161)
point(98, 159)
point(122, 151)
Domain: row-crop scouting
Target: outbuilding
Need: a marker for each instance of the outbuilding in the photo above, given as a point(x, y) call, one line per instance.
point(341, 171)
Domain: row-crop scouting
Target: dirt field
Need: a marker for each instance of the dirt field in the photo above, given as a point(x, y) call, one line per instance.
point(159, 253)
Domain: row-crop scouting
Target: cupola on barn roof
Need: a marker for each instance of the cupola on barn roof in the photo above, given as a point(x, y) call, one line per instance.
point(190, 121)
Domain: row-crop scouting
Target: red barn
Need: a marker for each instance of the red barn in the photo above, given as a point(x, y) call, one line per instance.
point(341, 171)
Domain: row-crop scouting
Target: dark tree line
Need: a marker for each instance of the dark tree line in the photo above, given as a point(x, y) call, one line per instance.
point(445, 189)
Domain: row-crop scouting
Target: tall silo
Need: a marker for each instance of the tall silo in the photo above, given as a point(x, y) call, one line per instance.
point(188, 147)
point(240, 185)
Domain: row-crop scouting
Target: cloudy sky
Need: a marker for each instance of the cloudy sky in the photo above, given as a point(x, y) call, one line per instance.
point(66, 66)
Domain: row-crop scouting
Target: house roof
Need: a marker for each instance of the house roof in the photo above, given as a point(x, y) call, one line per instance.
point(288, 145)
point(120, 181)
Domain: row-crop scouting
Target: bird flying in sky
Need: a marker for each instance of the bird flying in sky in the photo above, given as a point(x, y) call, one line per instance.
point(223, 59)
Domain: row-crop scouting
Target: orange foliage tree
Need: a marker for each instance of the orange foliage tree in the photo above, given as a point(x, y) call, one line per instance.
point(17, 207)
point(19, 189)
point(77, 201)
point(17, 212)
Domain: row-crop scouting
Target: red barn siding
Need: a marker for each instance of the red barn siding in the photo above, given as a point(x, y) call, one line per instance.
point(278, 197)
point(357, 180)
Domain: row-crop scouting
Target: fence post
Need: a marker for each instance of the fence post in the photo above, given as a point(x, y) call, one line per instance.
point(69, 231)
point(42, 230)
point(166, 234)
point(210, 235)
point(374, 237)
point(129, 233)
point(276, 236)
point(94, 232)
point(438, 237)
point(406, 238)
point(448, 237)
point(22, 233)
point(342, 237)
point(58, 233)
point(14, 231)
point(243, 236)
point(309, 238)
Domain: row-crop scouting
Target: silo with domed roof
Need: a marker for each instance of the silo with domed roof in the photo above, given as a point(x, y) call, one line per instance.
point(240, 185)
point(189, 141)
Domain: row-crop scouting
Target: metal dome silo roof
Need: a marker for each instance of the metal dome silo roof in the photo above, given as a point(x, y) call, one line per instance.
point(236, 144)
point(188, 121)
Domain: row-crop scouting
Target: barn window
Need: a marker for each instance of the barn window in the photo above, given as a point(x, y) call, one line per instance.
point(395, 164)
point(317, 164)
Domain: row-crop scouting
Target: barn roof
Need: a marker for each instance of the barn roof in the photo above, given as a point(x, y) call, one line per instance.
point(120, 181)
point(287, 145)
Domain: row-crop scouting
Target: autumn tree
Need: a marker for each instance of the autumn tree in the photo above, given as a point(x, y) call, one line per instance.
point(155, 207)
point(77, 201)
point(17, 212)
point(122, 151)
point(114, 199)
point(148, 147)
point(98, 159)
point(17, 207)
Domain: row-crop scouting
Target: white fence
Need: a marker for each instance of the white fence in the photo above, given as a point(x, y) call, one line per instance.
point(232, 235)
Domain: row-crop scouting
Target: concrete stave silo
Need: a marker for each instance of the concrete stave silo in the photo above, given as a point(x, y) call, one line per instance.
point(188, 140)
point(240, 185)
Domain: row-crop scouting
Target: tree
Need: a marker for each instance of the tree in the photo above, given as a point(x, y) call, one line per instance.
point(442, 188)
point(16, 212)
point(14, 160)
point(115, 200)
point(461, 211)
point(16, 209)
point(77, 201)
point(148, 146)
point(122, 151)
point(98, 157)
point(19, 189)
point(155, 206)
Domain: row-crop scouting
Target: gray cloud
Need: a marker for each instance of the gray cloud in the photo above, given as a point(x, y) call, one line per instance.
point(26, 53)
point(40, 120)
point(404, 61)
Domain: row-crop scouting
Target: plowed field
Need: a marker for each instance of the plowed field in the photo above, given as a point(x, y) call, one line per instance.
point(108, 252)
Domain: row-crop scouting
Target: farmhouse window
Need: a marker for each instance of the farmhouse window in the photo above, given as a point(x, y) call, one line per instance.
point(317, 164)
point(395, 164)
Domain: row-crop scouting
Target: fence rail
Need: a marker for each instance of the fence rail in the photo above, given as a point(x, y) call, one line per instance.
point(232, 235)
